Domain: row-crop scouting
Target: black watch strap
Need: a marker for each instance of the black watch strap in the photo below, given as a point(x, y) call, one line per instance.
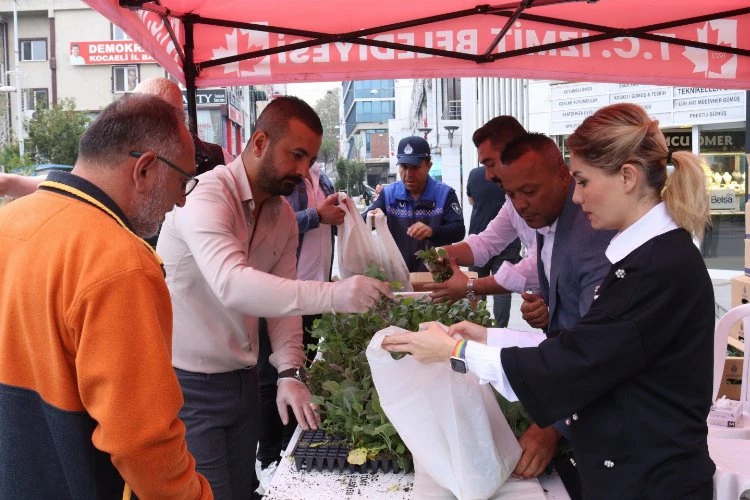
point(298, 373)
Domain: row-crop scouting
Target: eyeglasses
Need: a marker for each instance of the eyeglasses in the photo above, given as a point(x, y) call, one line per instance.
point(191, 180)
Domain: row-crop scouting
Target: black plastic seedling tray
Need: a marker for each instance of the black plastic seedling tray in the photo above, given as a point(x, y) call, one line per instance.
point(316, 450)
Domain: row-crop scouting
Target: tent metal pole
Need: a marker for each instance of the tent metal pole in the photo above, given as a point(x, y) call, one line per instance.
point(747, 144)
point(511, 19)
point(190, 75)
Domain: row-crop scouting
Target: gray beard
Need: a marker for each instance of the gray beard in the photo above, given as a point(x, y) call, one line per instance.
point(147, 214)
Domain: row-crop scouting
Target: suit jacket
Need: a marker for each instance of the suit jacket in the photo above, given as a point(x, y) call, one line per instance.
point(578, 265)
point(635, 374)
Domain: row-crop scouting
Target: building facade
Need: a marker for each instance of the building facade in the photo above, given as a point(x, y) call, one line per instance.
point(67, 50)
point(707, 122)
point(367, 107)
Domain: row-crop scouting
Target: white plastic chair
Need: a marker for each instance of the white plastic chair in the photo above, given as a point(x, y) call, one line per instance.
point(721, 334)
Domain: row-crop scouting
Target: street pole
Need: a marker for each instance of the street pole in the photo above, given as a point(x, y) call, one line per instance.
point(19, 110)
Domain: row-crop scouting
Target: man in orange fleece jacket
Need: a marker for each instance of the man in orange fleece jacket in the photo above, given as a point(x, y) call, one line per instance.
point(88, 397)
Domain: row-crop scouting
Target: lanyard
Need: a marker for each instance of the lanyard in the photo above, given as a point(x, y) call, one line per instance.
point(59, 186)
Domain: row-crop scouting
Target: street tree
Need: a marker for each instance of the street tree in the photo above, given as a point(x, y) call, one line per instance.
point(350, 176)
point(327, 108)
point(329, 151)
point(12, 161)
point(53, 133)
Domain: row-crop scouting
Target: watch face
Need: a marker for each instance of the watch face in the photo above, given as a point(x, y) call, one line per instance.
point(302, 374)
point(458, 365)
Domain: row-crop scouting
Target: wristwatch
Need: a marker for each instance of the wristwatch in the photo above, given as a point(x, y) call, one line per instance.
point(299, 374)
point(471, 294)
point(458, 360)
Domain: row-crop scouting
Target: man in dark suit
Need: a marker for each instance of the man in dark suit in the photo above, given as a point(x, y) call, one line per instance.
point(570, 257)
point(571, 261)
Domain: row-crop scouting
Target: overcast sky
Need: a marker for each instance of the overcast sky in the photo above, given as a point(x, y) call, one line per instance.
point(311, 92)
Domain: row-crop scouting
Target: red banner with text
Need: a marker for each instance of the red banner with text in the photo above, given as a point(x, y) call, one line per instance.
point(108, 52)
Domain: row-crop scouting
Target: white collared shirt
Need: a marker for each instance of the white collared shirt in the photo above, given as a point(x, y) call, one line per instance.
point(499, 233)
point(656, 221)
point(549, 242)
point(225, 270)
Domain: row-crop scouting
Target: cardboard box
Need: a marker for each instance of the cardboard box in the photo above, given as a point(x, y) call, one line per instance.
point(418, 280)
point(731, 378)
point(726, 413)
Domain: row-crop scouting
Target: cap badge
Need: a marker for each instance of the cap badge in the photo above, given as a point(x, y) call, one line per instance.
point(408, 149)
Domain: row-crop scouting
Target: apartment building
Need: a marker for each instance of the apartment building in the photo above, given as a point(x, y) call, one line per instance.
point(64, 49)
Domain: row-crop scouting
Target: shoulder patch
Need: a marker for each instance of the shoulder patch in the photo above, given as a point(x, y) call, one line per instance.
point(456, 207)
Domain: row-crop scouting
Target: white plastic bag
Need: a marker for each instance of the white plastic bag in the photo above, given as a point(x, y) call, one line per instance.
point(359, 247)
point(391, 260)
point(452, 425)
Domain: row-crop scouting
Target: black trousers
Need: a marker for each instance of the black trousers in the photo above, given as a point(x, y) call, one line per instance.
point(221, 414)
point(275, 436)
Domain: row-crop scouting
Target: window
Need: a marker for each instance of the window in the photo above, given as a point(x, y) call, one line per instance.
point(33, 50)
point(35, 98)
point(451, 98)
point(124, 78)
point(118, 34)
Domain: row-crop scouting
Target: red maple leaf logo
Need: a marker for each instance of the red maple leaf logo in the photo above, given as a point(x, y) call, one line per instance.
point(240, 41)
point(246, 40)
point(716, 59)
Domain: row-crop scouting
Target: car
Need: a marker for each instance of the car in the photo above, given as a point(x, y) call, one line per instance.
point(45, 168)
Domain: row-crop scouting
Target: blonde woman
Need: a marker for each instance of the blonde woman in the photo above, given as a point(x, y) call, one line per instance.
point(633, 377)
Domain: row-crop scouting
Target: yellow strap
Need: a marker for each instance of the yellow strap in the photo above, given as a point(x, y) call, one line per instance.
point(101, 206)
point(127, 493)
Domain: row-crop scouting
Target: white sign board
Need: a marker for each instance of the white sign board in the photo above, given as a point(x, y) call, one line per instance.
point(571, 103)
point(724, 199)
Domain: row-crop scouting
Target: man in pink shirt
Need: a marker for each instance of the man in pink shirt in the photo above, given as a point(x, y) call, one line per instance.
point(230, 258)
point(315, 204)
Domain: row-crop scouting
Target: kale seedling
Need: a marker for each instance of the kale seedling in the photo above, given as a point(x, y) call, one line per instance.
point(436, 260)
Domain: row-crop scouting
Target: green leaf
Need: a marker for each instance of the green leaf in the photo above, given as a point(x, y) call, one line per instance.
point(330, 386)
point(386, 429)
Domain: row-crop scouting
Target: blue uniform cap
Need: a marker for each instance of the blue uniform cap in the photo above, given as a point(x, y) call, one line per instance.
point(413, 150)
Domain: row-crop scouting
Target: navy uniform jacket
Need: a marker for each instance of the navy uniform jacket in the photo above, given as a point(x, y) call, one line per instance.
point(437, 207)
point(637, 372)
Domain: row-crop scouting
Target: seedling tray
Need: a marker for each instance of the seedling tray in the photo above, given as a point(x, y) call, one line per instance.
point(316, 450)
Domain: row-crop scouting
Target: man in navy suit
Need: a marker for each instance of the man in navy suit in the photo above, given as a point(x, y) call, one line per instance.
point(570, 257)
point(571, 261)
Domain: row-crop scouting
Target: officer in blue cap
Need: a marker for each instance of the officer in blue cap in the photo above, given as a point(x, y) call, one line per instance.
point(421, 211)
